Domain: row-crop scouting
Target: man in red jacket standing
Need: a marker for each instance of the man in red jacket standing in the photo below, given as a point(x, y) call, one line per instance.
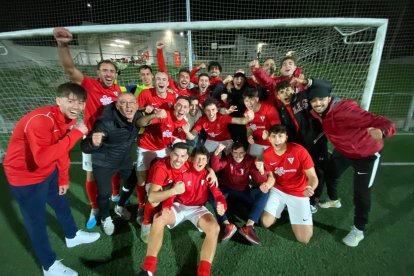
point(358, 137)
point(37, 168)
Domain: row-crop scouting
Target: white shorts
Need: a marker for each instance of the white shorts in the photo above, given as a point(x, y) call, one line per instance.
point(212, 145)
point(298, 207)
point(257, 150)
point(87, 162)
point(191, 213)
point(145, 157)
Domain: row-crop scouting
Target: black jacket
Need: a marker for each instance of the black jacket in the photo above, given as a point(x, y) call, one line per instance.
point(115, 150)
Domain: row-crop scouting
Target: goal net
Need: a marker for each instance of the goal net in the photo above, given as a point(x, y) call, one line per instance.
point(330, 48)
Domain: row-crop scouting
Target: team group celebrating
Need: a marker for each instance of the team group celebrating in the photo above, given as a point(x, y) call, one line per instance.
point(256, 145)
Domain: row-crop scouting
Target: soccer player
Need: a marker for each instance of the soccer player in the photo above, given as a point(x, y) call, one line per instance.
point(202, 91)
point(101, 91)
point(265, 116)
point(188, 197)
point(181, 88)
point(192, 117)
point(358, 137)
point(37, 168)
point(110, 145)
point(215, 125)
point(243, 179)
point(214, 70)
point(146, 75)
point(296, 180)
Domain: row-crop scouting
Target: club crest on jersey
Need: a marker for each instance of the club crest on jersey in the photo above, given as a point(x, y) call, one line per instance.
point(202, 182)
point(189, 183)
point(291, 159)
point(116, 93)
point(262, 118)
point(105, 100)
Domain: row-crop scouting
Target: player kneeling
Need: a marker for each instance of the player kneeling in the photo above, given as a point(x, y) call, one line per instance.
point(188, 204)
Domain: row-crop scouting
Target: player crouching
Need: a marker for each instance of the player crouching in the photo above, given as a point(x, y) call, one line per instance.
point(192, 193)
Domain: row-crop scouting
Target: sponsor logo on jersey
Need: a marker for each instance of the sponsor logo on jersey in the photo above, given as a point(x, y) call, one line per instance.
point(167, 134)
point(105, 100)
point(212, 134)
point(281, 171)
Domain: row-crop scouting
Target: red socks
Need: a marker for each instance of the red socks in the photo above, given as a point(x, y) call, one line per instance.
point(92, 193)
point(116, 183)
point(204, 268)
point(149, 212)
point(150, 264)
point(141, 195)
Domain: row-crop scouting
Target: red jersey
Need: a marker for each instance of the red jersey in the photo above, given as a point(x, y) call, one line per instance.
point(201, 97)
point(217, 130)
point(213, 80)
point(171, 84)
point(236, 176)
point(150, 97)
point(289, 168)
point(196, 190)
point(98, 97)
point(264, 118)
point(162, 132)
point(40, 142)
point(162, 174)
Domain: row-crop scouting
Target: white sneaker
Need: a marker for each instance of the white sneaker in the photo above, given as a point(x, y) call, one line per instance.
point(122, 212)
point(331, 204)
point(91, 223)
point(354, 237)
point(145, 231)
point(59, 269)
point(81, 238)
point(314, 209)
point(108, 226)
point(140, 215)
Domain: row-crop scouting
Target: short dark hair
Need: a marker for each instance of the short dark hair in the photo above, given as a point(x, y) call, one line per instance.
point(276, 129)
point(67, 88)
point(183, 97)
point(200, 150)
point(107, 61)
point(183, 70)
point(203, 75)
point(193, 98)
point(294, 59)
point(214, 63)
point(181, 145)
point(210, 101)
point(237, 145)
point(283, 84)
point(250, 93)
point(145, 67)
point(266, 59)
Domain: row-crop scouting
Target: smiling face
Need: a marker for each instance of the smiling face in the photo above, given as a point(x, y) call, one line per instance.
point(319, 105)
point(214, 71)
point(203, 83)
point(71, 106)
point(211, 112)
point(183, 80)
point(239, 81)
point(269, 66)
point(285, 95)
point(127, 105)
point(161, 83)
point(181, 108)
point(178, 157)
point(238, 154)
point(278, 141)
point(193, 107)
point(252, 103)
point(107, 74)
point(146, 76)
point(200, 162)
point(288, 67)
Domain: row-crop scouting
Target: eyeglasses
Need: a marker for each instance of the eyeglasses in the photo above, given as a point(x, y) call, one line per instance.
point(125, 103)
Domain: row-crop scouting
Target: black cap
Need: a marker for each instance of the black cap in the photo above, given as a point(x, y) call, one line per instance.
point(319, 89)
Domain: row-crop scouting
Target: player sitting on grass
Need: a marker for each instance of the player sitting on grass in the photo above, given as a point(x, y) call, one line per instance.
point(191, 191)
point(296, 180)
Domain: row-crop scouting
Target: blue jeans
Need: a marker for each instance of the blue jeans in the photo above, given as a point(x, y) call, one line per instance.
point(32, 201)
point(253, 197)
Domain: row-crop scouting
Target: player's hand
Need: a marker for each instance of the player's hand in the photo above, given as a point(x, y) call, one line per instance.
point(62, 35)
point(264, 187)
point(260, 167)
point(224, 97)
point(228, 79)
point(265, 135)
point(212, 178)
point(97, 138)
point(186, 128)
point(375, 133)
point(250, 139)
point(254, 64)
point(160, 45)
point(202, 66)
point(308, 192)
point(220, 208)
point(81, 127)
point(149, 109)
point(219, 149)
point(160, 113)
point(63, 189)
point(179, 188)
point(297, 81)
point(231, 109)
point(249, 115)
